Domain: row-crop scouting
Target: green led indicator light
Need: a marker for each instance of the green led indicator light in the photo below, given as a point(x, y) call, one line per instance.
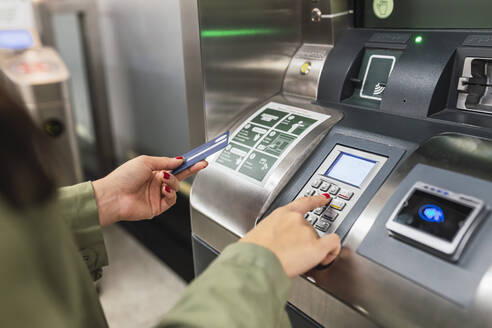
point(237, 32)
point(419, 39)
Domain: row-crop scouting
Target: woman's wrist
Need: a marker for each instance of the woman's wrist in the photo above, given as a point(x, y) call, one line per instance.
point(107, 203)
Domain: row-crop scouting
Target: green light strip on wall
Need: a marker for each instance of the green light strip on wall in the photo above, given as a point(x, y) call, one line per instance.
point(238, 32)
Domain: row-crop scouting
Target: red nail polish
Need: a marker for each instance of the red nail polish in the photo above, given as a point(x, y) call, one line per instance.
point(168, 189)
point(166, 175)
point(179, 157)
point(327, 196)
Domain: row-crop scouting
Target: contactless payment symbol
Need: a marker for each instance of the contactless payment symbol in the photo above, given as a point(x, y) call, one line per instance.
point(431, 213)
point(383, 8)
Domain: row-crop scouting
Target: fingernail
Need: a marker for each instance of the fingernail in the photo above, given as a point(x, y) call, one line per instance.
point(168, 189)
point(179, 157)
point(166, 175)
point(327, 196)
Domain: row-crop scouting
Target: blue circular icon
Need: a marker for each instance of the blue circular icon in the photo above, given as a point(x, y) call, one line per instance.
point(431, 213)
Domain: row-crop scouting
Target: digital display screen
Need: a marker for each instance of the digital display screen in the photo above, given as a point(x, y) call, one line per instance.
point(433, 214)
point(350, 169)
point(15, 39)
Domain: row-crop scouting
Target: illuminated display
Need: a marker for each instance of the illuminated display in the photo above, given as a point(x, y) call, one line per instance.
point(350, 169)
point(16, 39)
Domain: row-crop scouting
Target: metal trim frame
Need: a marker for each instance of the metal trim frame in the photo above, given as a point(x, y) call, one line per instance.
point(87, 12)
point(195, 91)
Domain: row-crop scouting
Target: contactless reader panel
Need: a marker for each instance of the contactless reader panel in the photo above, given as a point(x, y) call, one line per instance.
point(435, 219)
point(345, 174)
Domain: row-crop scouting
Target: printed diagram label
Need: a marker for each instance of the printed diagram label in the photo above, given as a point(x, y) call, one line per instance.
point(250, 134)
point(275, 143)
point(257, 165)
point(262, 141)
point(233, 155)
point(269, 117)
point(296, 124)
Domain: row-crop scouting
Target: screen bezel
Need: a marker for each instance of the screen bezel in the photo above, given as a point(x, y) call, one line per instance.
point(339, 156)
point(427, 239)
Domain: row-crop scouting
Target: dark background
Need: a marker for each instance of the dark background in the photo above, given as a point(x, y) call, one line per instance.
point(422, 14)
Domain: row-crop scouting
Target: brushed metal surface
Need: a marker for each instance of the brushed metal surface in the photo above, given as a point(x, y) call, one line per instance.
point(356, 292)
point(386, 298)
point(301, 84)
point(242, 202)
point(246, 47)
point(46, 97)
point(195, 91)
point(335, 17)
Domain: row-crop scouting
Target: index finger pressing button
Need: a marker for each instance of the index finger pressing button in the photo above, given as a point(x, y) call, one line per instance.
point(306, 204)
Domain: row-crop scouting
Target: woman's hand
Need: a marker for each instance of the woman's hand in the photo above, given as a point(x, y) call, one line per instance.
point(295, 242)
point(140, 189)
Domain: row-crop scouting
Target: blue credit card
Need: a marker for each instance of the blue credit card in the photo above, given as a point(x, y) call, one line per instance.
point(201, 152)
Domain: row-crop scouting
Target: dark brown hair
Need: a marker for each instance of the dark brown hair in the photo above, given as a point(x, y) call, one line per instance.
point(24, 150)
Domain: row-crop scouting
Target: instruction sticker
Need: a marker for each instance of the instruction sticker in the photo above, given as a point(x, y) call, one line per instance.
point(262, 141)
point(257, 165)
point(250, 134)
point(276, 143)
point(233, 155)
point(295, 124)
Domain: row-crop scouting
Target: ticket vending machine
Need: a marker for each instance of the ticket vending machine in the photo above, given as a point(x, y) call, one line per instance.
point(40, 78)
point(395, 125)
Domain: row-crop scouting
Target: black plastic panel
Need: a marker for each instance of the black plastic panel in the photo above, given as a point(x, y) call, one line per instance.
point(394, 154)
point(424, 81)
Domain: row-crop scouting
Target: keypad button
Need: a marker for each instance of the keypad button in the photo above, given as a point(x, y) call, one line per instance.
point(306, 216)
point(316, 183)
point(330, 215)
point(312, 219)
point(322, 225)
point(345, 194)
point(325, 186)
point(338, 204)
point(309, 193)
point(319, 210)
point(334, 189)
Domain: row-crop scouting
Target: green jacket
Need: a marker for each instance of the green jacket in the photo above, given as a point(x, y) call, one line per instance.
point(50, 256)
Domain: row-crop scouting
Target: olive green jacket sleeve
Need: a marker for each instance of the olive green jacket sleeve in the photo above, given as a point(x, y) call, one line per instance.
point(245, 286)
point(77, 206)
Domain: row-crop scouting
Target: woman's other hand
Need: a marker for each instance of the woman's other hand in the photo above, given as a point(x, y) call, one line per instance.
point(140, 189)
point(295, 242)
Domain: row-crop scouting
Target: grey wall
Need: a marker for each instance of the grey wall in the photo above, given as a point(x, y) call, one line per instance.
point(144, 67)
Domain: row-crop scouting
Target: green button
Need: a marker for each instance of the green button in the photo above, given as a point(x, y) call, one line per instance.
point(257, 165)
point(233, 155)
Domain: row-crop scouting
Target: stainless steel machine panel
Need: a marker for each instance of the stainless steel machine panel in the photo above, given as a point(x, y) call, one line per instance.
point(302, 77)
point(246, 47)
point(40, 77)
point(385, 297)
point(234, 175)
